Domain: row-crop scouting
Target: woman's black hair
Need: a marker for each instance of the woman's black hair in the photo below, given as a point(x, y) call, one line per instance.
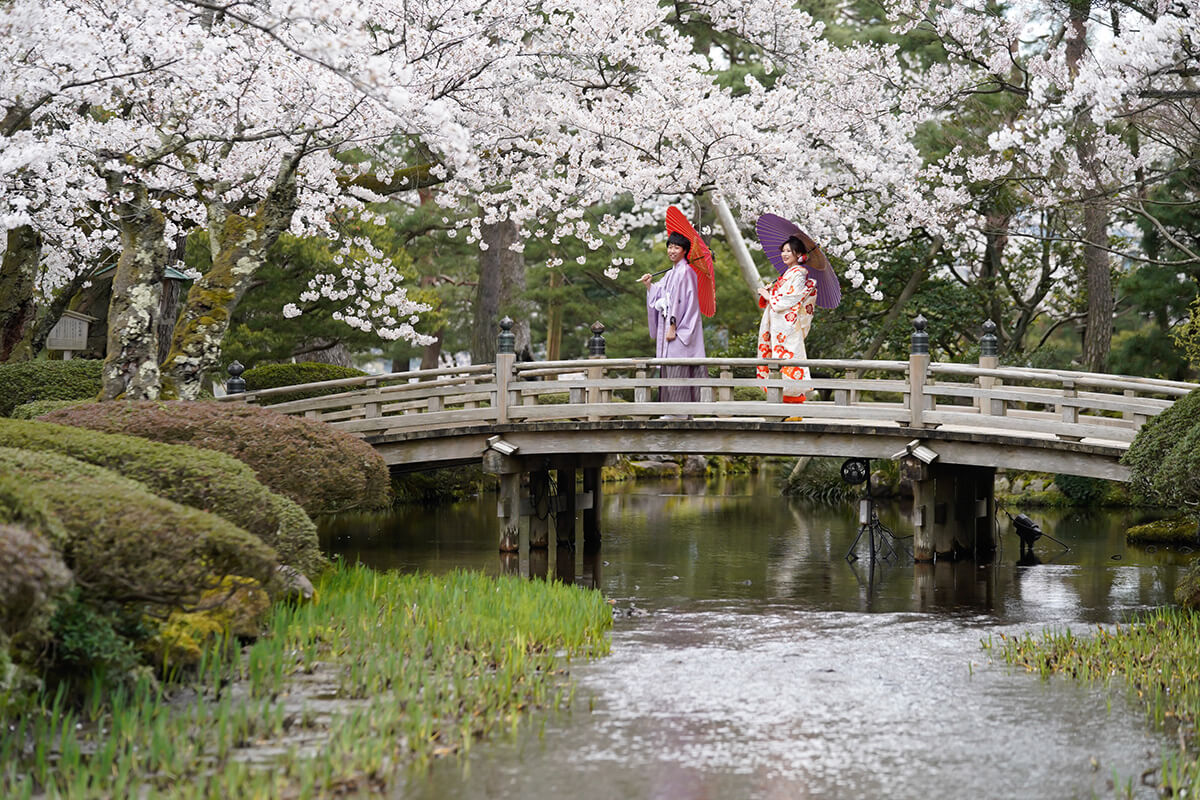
point(796, 244)
point(682, 241)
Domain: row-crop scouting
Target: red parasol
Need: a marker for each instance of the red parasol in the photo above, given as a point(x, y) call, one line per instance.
point(773, 231)
point(699, 257)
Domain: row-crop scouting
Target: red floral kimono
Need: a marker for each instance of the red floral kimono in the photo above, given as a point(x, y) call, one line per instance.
point(785, 322)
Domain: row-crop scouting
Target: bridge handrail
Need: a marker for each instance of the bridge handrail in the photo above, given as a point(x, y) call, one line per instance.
point(1099, 380)
point(363, 380)
point(634, 363)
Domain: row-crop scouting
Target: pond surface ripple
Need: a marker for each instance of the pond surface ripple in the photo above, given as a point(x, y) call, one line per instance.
point(750, 660)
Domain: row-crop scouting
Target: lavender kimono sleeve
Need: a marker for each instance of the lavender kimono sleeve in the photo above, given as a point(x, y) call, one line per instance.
point(652, 313)
point(687, 311)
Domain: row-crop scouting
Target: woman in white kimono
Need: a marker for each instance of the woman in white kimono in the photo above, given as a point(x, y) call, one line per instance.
point(788, 307)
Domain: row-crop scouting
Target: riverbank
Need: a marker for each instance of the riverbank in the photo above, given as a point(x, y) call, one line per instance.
point(379, 671)
point(1155, 657)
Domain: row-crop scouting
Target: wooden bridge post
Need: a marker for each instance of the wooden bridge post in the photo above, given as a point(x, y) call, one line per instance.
point(565, 522)
point(919, 474)
point(988, 359)
point(505, 358)
point(591, 515)
point(918, 366)
point(596, 349)
point(539, 506)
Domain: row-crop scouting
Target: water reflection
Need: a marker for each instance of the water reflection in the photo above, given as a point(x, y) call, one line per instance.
point(751, 660)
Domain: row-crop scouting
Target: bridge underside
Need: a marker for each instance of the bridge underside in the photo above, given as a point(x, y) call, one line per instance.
point(410, 451)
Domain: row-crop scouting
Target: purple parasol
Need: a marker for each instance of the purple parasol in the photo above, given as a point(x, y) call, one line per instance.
point(773, 231)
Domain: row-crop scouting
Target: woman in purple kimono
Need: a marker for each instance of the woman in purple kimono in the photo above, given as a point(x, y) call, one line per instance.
point(673, 310)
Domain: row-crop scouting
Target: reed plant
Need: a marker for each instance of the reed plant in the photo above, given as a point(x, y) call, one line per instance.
point(421, 666)
point(1154, 656)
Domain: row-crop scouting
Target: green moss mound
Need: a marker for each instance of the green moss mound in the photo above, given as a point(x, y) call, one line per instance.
point(126, 545)
point(316, 465)
point(202, 479)
point(1176, 530)
point(26, 381)
point(271, 376)
point(1157, 438)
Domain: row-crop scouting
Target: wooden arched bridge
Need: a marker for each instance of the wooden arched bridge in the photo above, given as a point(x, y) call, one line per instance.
point(951, 425)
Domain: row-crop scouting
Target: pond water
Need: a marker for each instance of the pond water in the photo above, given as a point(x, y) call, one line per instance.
point(751, 660)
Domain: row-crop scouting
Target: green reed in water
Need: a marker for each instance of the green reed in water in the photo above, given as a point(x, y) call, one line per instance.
point(417, 667)
point(1155, 656)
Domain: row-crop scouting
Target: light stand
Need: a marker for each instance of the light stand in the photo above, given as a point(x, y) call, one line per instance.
point(881, 541)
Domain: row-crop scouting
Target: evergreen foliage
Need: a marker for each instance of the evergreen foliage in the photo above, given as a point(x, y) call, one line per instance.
point(323, 469)
point(26, 381)
point(270, 376)
point(1152, 457)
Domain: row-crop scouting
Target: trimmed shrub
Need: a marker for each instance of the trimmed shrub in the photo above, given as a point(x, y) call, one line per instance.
point(32, 579)
point(1176, 482)
point(203, 479)
point(26, 381)
point(1149, 449)
point(323, 469)
point(1082, 491)
point(38, 407)
point(126, 545)
point(270, 376)
point(24, 506)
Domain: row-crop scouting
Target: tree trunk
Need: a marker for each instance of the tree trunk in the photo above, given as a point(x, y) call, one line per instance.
point(1097, 335)
point(240, 245)
point(131, 363)
point(501, 291)
point(18, 276)
point(322, 351)
point(995, 240)
point(432, 354)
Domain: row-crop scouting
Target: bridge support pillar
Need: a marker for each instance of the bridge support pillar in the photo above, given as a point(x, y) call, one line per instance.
point(565, 522)
point(953, 509)
point(591, 516)
point(539, 506)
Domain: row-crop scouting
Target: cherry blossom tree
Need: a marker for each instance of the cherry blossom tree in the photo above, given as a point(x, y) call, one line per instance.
point(1106, 98)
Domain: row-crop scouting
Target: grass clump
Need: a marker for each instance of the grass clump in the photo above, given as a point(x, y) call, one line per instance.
point(323, 469)
point(1154, 656)
point(423, 667)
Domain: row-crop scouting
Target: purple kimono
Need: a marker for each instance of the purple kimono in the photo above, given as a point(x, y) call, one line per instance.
point(675, 297)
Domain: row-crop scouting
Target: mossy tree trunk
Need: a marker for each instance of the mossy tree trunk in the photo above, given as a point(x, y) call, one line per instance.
point(239, 247)
point(18, 273)
point(131, 364)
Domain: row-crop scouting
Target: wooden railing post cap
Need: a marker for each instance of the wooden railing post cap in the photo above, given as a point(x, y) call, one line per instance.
point(507, 340)
point(920, 339)
point(236, 383)
point(597, 345)
point(987, 342)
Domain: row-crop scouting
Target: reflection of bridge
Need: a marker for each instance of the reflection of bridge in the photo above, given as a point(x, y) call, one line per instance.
point(964, 420)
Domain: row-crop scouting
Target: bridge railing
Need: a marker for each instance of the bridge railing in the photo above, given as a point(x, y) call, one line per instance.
point(916, 393)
